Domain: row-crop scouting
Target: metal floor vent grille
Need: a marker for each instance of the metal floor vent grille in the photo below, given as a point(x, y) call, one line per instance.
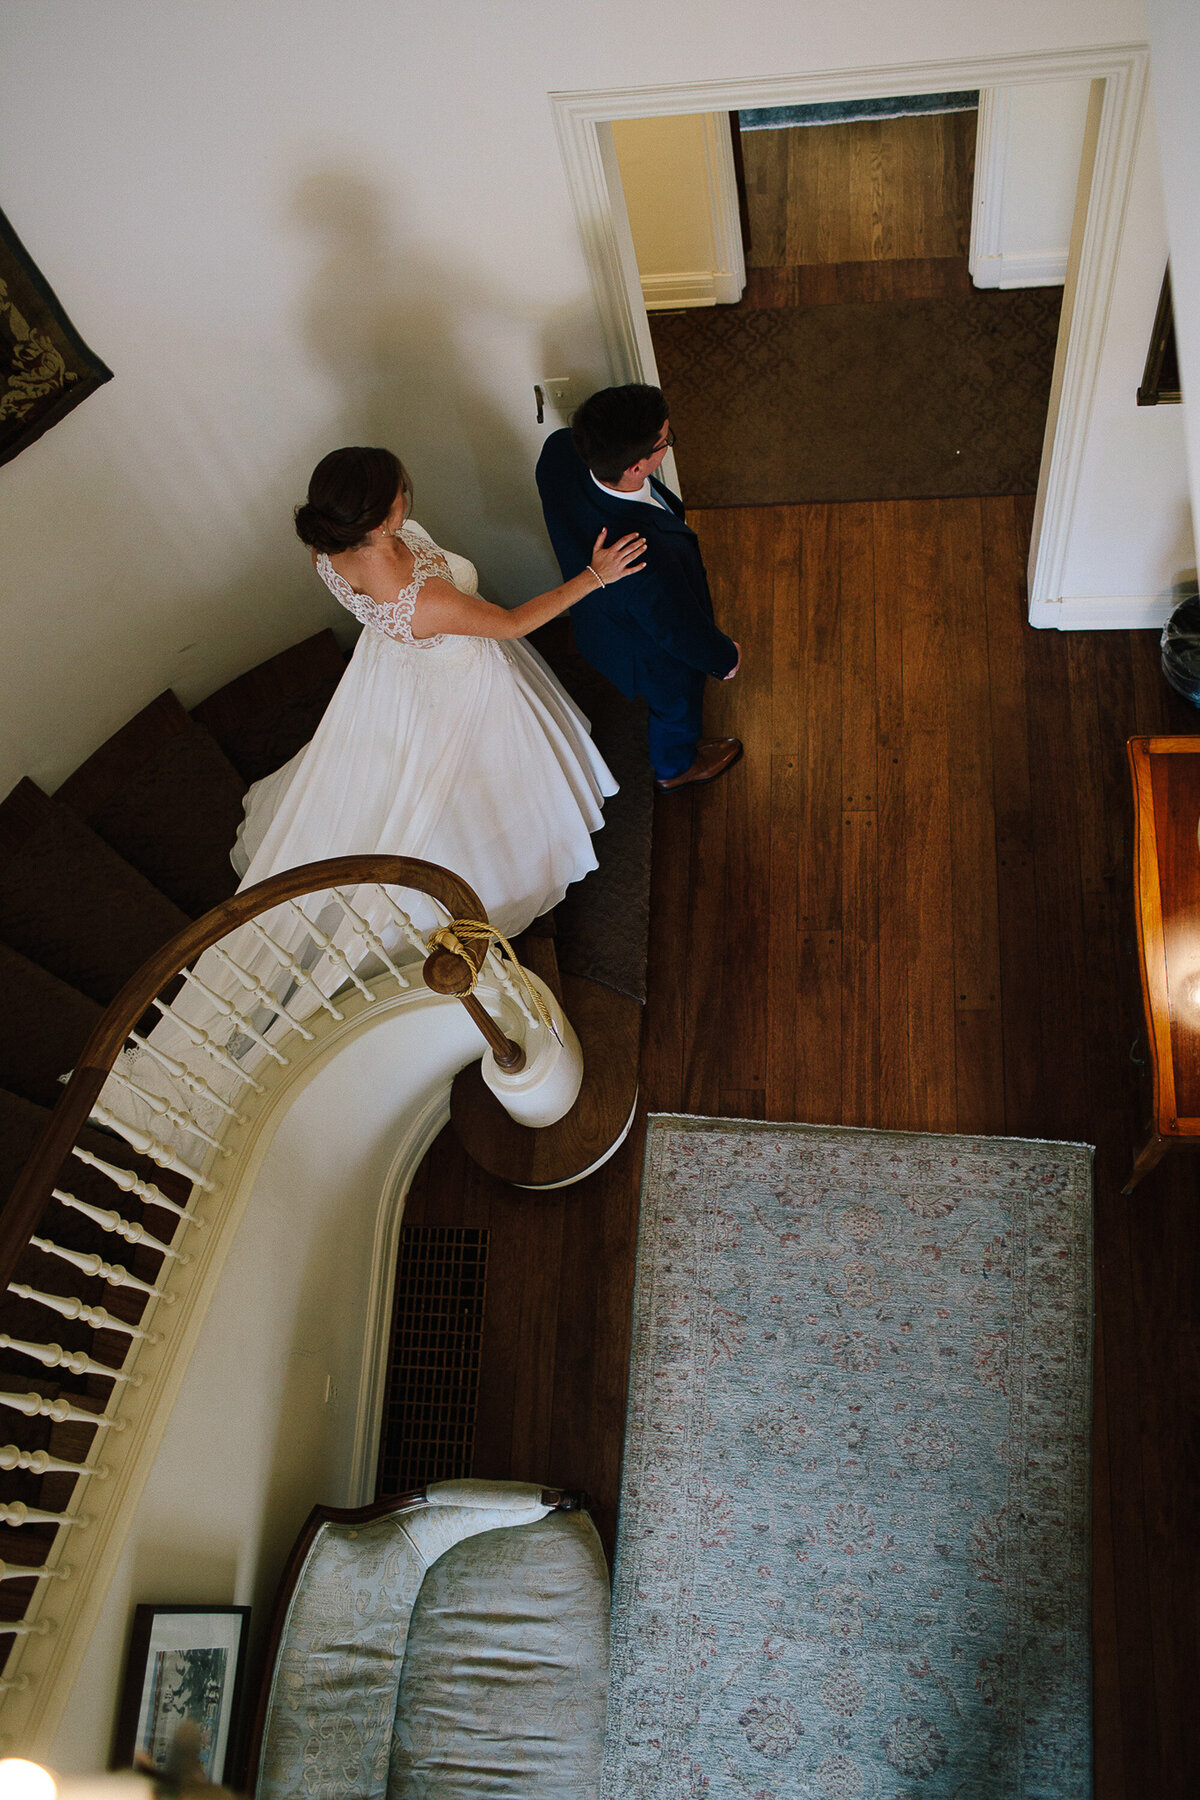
point(433, 1365)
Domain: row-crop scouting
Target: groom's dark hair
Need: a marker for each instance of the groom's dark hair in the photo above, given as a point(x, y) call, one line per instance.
point(617, 427)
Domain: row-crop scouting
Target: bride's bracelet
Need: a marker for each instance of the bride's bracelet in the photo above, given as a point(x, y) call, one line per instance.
point(592, 571)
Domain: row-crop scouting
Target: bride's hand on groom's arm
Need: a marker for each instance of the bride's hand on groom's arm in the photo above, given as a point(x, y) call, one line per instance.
point(609, 562)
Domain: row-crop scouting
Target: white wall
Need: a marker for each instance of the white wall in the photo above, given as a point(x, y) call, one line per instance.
point(289, 227)
point(252, 1444)
point(1175, 73)
point(285, 228)
point(1131, 535)
point(680, 190)
point(1026, 171)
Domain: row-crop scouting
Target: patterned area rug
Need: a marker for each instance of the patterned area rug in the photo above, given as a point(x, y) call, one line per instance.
point(853, 1551)
point(878, 400)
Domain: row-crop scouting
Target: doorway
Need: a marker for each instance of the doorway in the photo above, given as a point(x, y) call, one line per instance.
point(1120, 76)
point(860, 362)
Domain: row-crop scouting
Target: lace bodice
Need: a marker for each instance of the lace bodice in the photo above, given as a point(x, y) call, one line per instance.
point(395, 621)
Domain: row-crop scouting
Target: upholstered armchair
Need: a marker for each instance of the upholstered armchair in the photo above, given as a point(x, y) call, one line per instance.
point(451, 1643)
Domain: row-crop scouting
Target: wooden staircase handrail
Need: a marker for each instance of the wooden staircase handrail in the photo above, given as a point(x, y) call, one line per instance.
point(446, 973)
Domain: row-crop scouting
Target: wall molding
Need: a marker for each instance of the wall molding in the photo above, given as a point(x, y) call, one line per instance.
point(1104, 612)
point(987, 262)
point(730, 255)
point(581, 122)
point(689, 287)
point(723, 281)
point(987, 197)
point(1044, 268)
point(419, 1132)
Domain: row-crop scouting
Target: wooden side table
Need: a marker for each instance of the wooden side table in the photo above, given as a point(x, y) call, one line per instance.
point(1166, 793)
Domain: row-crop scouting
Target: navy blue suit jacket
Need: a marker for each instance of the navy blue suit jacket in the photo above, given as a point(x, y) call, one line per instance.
point(648, 631)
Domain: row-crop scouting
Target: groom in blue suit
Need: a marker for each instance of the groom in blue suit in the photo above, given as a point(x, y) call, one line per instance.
point(652, 634)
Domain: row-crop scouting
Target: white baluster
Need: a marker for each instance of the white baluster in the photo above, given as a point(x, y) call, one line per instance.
point(164, 1110)
point(53, 1356)
point(22, 1628)
point(263, 995)
point(40, 1462)
point(38, 1571)
point(146, 1144)
point(129, 1229)
point(90, 1264)
point(17, 1684)
point(238, 1020)
point(179, 1071)
point(203, 1040)
point(326, 944)
point(495, 962)
point(36, 1406)
point(68, 1307)
point(129, 1183)
point(401, 918)
point(20, 1514)
point(298, 974)
point(371, 937)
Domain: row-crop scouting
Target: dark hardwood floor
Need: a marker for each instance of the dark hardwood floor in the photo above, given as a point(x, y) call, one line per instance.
point(908, 906)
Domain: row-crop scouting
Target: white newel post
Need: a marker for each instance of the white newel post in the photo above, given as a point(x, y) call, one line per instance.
point(545, 1089)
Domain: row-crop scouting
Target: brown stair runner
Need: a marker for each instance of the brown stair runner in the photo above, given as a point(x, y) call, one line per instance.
point(164, 795)
point(265, 716)
point(71, 903)
point(46, 1024)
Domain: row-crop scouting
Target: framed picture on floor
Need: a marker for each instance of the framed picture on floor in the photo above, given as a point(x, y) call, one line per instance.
point(185, 1667)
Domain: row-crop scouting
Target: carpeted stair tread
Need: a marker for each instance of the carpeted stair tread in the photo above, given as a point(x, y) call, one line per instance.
point(22, 1122)
point(164, 795)
point(46, 1024)
point(602, 925)
point(265, 716)
point(537, 952)
point(70, 903)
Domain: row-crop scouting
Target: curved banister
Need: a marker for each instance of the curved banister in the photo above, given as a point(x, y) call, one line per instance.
point(445, 973)
point(108, 1330)
point(104, 1045)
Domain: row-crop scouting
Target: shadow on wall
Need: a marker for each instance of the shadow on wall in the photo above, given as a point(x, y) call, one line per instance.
point(405, 336)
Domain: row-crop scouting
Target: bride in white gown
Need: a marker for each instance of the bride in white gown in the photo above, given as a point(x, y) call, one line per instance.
point(448, 738)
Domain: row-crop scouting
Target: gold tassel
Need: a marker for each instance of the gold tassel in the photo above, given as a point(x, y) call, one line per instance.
point(460, 932)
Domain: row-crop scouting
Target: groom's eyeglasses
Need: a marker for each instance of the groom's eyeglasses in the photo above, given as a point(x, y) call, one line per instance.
point(668, 443)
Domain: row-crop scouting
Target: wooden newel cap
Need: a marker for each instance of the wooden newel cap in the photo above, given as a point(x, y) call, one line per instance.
point(447, 973)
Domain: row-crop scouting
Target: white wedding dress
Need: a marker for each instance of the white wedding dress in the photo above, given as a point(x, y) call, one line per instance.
point(462, 750)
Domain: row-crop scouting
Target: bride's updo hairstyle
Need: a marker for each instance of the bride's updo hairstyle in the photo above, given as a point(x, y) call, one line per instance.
point(351, 492)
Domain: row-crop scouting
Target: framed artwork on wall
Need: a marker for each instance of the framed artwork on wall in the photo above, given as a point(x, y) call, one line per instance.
point(185, 1666)
point(46, 369)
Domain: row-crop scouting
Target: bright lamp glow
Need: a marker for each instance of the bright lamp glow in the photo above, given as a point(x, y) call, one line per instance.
point(20, 1780)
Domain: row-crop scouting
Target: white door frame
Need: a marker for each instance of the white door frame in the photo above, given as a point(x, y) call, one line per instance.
point(581, 120)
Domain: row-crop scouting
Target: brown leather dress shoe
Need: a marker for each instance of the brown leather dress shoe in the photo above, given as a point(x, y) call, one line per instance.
point(713, 757)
